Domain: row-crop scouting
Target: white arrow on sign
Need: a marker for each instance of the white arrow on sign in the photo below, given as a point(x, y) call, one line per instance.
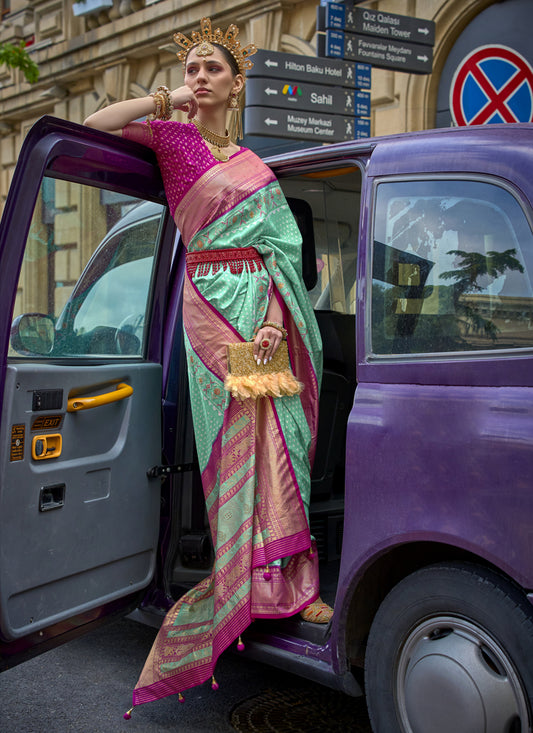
point(422, 58)
point(268, 90)
point(268, 121)
point(423, 30)
point(269, 62)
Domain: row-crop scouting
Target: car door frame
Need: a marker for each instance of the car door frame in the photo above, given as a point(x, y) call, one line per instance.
point(76, 153)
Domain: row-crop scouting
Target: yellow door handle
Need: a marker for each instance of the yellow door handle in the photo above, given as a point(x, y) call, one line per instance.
point(46, 446)
point(75, 404)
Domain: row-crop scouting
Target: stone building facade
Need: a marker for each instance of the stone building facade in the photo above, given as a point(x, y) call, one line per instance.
point(94, 52)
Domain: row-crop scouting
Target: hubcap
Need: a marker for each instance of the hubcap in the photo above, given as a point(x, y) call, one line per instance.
point(454, 678)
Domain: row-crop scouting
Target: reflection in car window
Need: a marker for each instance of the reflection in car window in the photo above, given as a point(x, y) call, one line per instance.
point(452, 264)
point(114, 297)
point(88, 266)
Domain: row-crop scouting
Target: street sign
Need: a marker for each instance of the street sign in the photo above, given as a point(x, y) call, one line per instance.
point(388, 25)
point(384, 53)
point(492, 84)
point(303, 125)
point(310, 69)
point(331, 15)
point(262, 92)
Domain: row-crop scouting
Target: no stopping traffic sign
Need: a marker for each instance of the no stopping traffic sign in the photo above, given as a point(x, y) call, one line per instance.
point(492, 84)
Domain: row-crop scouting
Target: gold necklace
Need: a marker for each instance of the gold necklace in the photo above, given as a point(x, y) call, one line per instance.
point(219, 141)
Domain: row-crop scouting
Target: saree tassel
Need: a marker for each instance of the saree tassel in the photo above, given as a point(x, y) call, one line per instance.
point(214, 683)
point(127, 714)
point(181, 698)
point(240, 645)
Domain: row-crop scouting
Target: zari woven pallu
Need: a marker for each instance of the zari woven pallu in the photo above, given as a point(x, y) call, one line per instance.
point(254, 455)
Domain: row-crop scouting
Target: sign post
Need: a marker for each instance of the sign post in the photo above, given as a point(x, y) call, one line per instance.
point(307, 98)
point(390, 26)
point(387, 54)
point(304, 125)
point(385, 40)
point(292, 67)
point(320, 98)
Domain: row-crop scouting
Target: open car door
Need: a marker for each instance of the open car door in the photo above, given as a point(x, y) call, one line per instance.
point(85, 246)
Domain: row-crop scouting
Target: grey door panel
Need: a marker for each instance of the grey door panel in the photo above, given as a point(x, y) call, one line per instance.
point(78, 529)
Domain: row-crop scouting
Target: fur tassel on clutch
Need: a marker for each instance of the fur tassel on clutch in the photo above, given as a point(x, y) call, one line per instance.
point(248, 380)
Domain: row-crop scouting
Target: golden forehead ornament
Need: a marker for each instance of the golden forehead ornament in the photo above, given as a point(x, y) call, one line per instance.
point(204, 39)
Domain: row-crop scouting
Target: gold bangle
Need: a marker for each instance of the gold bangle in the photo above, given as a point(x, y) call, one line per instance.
point(167, 102)
point(155, 114)
point(277, 326)
point(163, 104)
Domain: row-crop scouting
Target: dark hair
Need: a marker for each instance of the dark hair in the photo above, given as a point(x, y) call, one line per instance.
point(227, 55)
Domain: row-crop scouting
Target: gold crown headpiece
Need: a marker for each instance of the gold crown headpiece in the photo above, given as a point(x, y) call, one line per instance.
point(205, 39)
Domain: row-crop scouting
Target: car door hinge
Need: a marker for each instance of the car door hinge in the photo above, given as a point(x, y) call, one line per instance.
point(157, 471)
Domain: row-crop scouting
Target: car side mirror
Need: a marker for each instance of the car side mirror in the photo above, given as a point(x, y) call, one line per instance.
point(32, 334)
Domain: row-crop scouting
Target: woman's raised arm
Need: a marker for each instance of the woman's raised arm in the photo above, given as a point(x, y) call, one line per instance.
point(113, 118)
point(116, 116)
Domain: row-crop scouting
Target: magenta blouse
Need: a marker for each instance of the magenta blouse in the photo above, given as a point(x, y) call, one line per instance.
point(181, 152)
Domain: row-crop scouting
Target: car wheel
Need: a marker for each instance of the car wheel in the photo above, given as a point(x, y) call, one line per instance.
point(450, 651)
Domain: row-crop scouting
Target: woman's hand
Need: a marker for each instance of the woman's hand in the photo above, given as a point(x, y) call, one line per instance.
point(266, 343)
point(185, 100)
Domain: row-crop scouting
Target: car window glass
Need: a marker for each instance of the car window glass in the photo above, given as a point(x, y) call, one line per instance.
point(87, 270)
point(334, 198)
point(452, 265)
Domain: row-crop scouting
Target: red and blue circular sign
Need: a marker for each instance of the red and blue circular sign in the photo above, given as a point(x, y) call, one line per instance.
point(492, 84)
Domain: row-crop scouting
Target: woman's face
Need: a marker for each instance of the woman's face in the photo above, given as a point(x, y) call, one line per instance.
point(211, 78)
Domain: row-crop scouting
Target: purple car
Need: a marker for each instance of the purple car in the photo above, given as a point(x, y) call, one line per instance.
point(418, 259)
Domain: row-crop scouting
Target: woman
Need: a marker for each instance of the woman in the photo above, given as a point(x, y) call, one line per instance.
point(243, 283)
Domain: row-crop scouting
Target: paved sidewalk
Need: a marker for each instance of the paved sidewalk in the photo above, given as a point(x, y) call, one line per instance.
point(85, 687)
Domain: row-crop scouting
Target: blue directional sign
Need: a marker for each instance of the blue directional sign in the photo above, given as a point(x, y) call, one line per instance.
point(310, 69)
point(304, 125)
point(308, 97)
point(332, 15)
point(387, 40)
point(389, 25)
point(334, 46)
point(261, 92)
point(380, 52)
point(363, 75)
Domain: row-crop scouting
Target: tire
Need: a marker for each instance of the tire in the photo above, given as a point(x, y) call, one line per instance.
point(450, 650)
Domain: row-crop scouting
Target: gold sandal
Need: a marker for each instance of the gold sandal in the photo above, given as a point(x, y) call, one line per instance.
point(317, 612)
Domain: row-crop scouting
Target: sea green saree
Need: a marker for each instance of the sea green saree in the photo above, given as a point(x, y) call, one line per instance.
point(255, 456)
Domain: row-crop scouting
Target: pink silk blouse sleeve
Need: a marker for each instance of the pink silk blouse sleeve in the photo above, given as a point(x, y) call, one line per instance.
point(181, 154)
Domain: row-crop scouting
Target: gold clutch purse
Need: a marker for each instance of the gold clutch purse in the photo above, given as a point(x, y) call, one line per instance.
point(247, 379)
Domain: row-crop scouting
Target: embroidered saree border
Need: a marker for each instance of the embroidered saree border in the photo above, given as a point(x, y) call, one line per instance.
point(219, 190)
point(148, 690)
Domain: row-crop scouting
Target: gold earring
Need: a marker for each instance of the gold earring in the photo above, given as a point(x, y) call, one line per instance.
point(235, 121)
point(233, 101)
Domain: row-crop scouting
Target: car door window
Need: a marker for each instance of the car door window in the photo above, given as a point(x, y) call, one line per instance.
point(452, 267)
point(85, 280)
point(334, 199)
